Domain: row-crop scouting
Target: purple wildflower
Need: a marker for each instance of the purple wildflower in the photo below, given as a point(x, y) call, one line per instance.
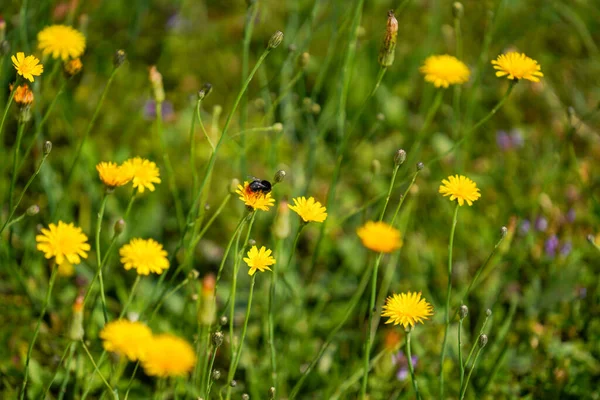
point(541, 224)
point(150, 110)
point(551, 246)
point(566, 248)
point(503, 140)
point(525, 226)
point(400, 360)
point(571, 215)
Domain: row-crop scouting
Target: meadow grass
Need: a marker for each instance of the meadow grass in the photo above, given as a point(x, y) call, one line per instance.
point(299, 200)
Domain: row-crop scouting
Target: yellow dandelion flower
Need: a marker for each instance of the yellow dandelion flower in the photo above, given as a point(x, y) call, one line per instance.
point(259, 260)
point(61, 41)
point(64, 242)
point(379, 237)
point(406, 309)
point(309, 210)
point(145, 255)
point(445, 70)
point(517, 66)
point(168, 355)
point(460, 188)
point(113, 175)
point(145, 173)
point(27, 67)
point(255, 200)
point(126, 337)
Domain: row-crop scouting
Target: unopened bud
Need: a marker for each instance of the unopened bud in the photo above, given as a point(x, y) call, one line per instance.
point(375, 167)
point(277, 127)
point(271, 393)
point(193, 274)
point(223, 320)
point(23, 96)
point(275, 40)
point(504, 231)
point(488, 312)
point(119, 58)
point(157, 84)
point(387, 52)
point(279, 176)
point(281, 226)
point(73, 67)
point(591, 238)
point(33, 210)
point(400, 157)
point(119, 226)
point(207, 311)
point(483, 339)
point(233, 383)
point(233, 186)
point(463, 311)
point(458, 10)
point(292, 48)
point(216, 374)
point(315, 108)
point(420, 166)
point(380, 117)
point(205, 91)
point(251, 242)
point(217, 338)
point(304, 59)
point(47, 147)
point(245, 396)
point(76, 331)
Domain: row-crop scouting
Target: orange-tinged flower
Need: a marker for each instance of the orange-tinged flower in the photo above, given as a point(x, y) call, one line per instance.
point(379, 237)
point(23, 95)
point(113, 175)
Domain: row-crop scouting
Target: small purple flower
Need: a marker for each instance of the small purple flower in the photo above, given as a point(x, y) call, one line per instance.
point(503, 140)
point(571, 215)
point(150, 110)
point(551, 246)
point(525, 226)
point(541, 224)
point(400, 360)
point(566, 248)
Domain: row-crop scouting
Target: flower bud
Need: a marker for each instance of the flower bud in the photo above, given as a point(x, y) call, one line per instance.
point(120, 226)
point(281, 226)
point(2, 28)
point(223, 320)
point(504, 231)
point(205, 91)
point(23, 96)
point(483, 339)
point(304, 59)
point(458, 10)
point(271, 393)
point(47, 147)
point(279, 176)
point(4, 47)
point(207, 310)
point(591, 239)
point(277, 127)
point(119, 58)
point(233, 383)
point(217, 338)
point(76, 331)
point(400, 157)
point(216, 374)
point(275, 40)
point(33, 210)
point(388, 47)
point(157, 84)
point(233, 185)
point(380, 117)
point(245, 396)
point(420, 166)
point(463, 311)
point(488, 312)
point(251, 242)
point(73, 67)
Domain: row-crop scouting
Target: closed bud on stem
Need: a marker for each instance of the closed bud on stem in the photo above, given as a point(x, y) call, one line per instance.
point(119, 58)
point(277, 127)
point(591, 239)
point(217, 338)
point(483, 339)
point(233, 185)
point(387, 52)
point(2, 28)
point(207, 311)
point(503, 231)
point(223, 320)
point(420, 166)
point(73, 67)
point(458, 10)
point(245, 396)
point(216, 374)
point(119, 226)
point(205, 91)
point(304, 59)
point(463, 311)
point(157, 84)
point(47, 147)
point(275, 40)
point(271, 393)
point(33, 210)
point(281, 226)
point(400, 157)
point(76, 331)
point(279, 176)
point(488, 312)
point(251, 242)
point(233, 383)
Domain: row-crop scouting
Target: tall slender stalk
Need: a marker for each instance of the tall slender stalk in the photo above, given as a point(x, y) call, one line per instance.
point(411, 368)
point(16, 151)
point(195, 112)
point(63, 386)
point(450, 247)
point(131, 295)
point(99, 255)
point(466, 385)
point(6, 108)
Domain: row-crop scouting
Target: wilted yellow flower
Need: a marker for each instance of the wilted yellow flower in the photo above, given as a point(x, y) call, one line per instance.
point(145, 173)
point(27, 67)
point(517, 66)
point(126, 337)
point(168, 355)
point(259, 260)
point(73, 67)
point(460, 188)
point(23, 95)
point(145, 255)
point(64, 242)
point(256, 200)
point(113, 175)
point(445, 70)
point(406, 309)
point(61, 41)
point(309, 210)
point(379, 237)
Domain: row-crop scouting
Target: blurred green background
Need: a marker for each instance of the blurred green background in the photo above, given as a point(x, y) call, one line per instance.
point(535, 161)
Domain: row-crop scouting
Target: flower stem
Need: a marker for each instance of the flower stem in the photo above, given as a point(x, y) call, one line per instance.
point(411, 368)
point(193, 146)
point(236, 360)
point(99, 255)
point(37, 328)
point(370, 329)
point(464, 388)
point(389, 193)
point(450, 247)
point(8, 104)
point(13, 179)
point(460, 354)
point(131, 295)
point(63, 386)
point(57, 370)
point(98, 371)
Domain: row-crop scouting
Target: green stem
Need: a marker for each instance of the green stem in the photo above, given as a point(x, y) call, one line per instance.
point(464, 389)
point(450, 247)
point(131, 295)
point(399, 206)
point(233, 367)
point(389, 193)
point(8, 103)
point(193, 146)
point(460, 355)
point(99, 255)
point(415, 151)
point(37, 328)
point(476, 344)
point(89, 127)
point(370, 329)
point(164, 298)
point(357, 375)
point(63, 387)
point(29, 182)
point(87, 351)
point(199, 115)
point(57, 370)
point(411, 368)
point(209, 372)
point(130, 383)
point(13, 180)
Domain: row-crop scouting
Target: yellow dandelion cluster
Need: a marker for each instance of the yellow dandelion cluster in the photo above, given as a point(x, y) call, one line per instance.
point(145, 255)
point(113, 175)
point(27, 67)
point(460, 188)
point(145, 173)
point(126, 337)
point(259, 260)
point(445, 70)
point(61, 41)
point(517, 66)
point(168, 355)
point(64, 242)
point(309, 209)
point(379, 237)
point(406, 309)
point(255, 200)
